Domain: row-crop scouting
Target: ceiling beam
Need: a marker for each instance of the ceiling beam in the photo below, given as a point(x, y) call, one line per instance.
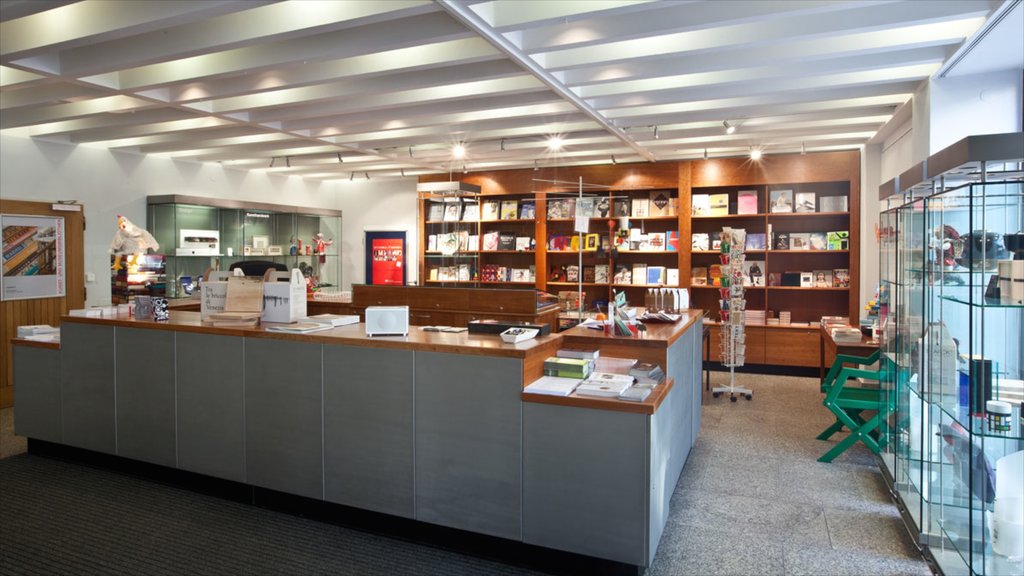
point(470, 19)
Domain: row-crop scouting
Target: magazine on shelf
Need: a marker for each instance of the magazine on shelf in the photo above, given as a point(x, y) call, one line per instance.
point(699, 276)
point(490, 211)
point(700, 241)
point(838, 240)
point(659, 204)
point(640, 208)
point(818, 241)
point(804, 202)
point(523, 243)
point(672, 241)
point(491, 241)
point(719, 205)
point(781, 201)
point(601, 273)
point(833, 204)
point(435, 212)
point(823, 279)
point(700, 205)
point(509, 209)
point(841, 278)
point(620, 208)
point(799, 241)
point(527, 210)
point(471, 212)
point(755, 241)
point(746, 202)
point(452, 211)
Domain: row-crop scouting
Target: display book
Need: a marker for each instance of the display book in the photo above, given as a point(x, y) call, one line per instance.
point(586, 374)
point(954, 348)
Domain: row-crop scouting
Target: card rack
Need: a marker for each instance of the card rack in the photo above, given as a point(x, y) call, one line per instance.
point(733, 306)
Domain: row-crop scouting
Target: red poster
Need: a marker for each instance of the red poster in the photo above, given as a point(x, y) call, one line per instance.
point(388, 258)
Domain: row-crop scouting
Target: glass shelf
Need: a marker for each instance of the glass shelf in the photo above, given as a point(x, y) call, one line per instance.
point(983, 302)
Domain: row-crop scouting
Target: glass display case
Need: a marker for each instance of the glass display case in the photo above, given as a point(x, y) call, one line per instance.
point(953, 338)
point(196, 234)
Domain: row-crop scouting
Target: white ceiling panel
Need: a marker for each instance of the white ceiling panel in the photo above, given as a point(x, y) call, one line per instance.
point(325, 88)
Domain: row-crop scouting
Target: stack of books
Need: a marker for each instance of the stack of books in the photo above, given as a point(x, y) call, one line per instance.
point(334, 319)
point(846, 335)
point(647, 374)
point(604, 385)
point(785, 317)
point(578, 368)
point(552, 386)
point(754, 317)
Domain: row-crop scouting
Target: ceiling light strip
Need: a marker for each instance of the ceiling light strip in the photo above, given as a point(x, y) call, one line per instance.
point(464, 14)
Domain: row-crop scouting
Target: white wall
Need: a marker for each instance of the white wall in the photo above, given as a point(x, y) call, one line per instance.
point(375, 205)
point(962, 106)
point(110, 183)
point(871, 178)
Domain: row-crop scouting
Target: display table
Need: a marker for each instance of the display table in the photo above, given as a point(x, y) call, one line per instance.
point(828, 349)
point(432, 426)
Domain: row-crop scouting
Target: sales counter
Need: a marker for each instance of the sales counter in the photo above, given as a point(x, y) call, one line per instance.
point(431, 426)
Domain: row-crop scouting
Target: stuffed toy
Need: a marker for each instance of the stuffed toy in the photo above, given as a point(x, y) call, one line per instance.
point(131, 240)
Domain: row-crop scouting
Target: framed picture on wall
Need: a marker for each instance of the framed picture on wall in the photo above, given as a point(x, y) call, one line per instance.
point(385, 258)
point(33, 257)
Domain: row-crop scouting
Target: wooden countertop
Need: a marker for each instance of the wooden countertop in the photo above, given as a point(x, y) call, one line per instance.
point(656, 336)
point(36, 343)
point(353, 335)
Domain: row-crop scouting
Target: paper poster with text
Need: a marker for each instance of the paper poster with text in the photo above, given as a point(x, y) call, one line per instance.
point(33, 257)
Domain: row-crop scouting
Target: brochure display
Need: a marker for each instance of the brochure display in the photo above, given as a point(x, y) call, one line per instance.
point(733, 337)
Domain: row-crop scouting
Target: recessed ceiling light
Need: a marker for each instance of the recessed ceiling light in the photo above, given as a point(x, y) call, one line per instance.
point(555, 143)
point(729, 128)
point(458, 151)
point(755, 153)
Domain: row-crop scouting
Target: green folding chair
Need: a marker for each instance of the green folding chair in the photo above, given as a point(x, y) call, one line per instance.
point(848, 402)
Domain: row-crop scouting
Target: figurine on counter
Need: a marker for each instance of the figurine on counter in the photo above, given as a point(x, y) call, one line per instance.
point(131, 240)
point(320, 246)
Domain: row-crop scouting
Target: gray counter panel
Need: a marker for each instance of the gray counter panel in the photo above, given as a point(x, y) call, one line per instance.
point(283, 416)
point(584, 473)
point(211, 405)
point(145, 395)
point(87, 386)
point(468, 442)
point(368, 428)
point(37, 393)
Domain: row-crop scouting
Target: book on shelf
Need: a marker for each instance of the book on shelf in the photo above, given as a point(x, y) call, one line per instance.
point(841, 278)
point(838, 240)
point(672, 241)
point(448, 244)
point(471, 212)
point(659, 204)
point(527, 210)
point(804, 202)
point(807, 280)
point(490, 240)
point(509, 209)
point(656, 275)
point(452, 211)
point(572, 273)
point(774, 279)
point(603, 209)
point(604, 384)
point(506, 241)
point(654, 242)
point(755, 241)
point(474, 243)
point(716, 240)
point(719, 205)
point(623, 275)
point(799, 241)
point(334, 319)
point(700, 241)
point(699, 276)
point(746, 202)
point(463, 236)
point(781, 241)
point(522, 275)
point(585, 207)
point(435, 211)
point(833, 204)
point(558, 209)
point(753, 272)
point(817, 241)
point(639, 207)
point(790, 279)
point(591, 242)
point(639, 273)
point(523, 243)
point(781, 201)
point(822, 278)
point(490, 211)
point(464, 273)
point(715, 275)
point(700, 205)
point(432, 243)
point(672, 276)
point(620, 208)
point(433, 276)
point(589, 274)
point(601, 274)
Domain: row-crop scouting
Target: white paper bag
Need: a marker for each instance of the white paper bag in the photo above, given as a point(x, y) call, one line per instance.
point(213, 295)
point(285, 301)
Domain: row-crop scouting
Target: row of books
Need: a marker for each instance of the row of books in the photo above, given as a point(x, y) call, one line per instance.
point(596, 274)
point(835, 240)
point(780, 202)
point(635, 241)
point(487, 210)
point(753, 275)
point(463, 241)
point(488, 273)
point(640, 274)
point(658, 204)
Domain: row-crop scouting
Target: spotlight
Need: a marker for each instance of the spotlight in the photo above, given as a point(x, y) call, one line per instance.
point(458, 151)
point(502, 144)
point(803, 148)
point(614, 161)
point(340, 161)
point(555, 143)
point(729, 128)
point(464, 169)
point(705, 153)
point(536, 165)
point(351, 176)
point(655, 132)
point(367, 174)
point(755, 153)
point(403, 172)
point(272, 162)
point(288, 161)
point(410, 152)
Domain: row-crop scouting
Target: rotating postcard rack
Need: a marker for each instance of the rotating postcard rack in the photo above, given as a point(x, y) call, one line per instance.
point(733, 305)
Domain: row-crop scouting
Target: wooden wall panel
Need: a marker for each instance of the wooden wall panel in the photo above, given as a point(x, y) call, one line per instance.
point(42, 310)
point(648, 175)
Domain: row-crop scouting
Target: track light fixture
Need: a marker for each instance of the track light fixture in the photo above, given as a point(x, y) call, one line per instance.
point(367, 174)
point(340, 161)
point(410, 152)
point(803, 148)
point(729, 128)
point(536, 165)
point(351, 176)
point(705, 153)
point(272, 162)
point(614, 161)
point(403, 172)
point(755, 153)
point(288, 161)
point(655, 132)
point(502, 144)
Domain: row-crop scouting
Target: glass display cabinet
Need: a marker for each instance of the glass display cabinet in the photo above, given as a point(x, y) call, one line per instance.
point(198, 233)
point(953, 335)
